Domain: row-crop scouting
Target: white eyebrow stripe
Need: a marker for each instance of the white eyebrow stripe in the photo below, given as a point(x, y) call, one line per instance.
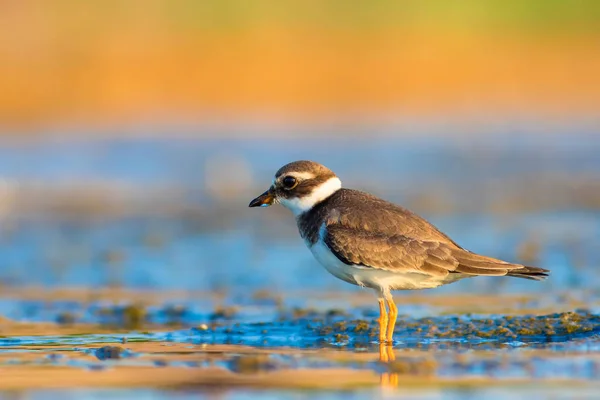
point(301, 175)
point(299, 205)
point(298, 175)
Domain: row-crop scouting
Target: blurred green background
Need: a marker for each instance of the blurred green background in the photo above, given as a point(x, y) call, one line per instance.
point(103, 65)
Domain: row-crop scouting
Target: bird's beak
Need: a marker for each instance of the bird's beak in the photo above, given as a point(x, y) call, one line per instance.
point(264, 200)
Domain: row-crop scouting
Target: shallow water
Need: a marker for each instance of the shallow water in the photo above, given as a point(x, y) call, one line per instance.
point(190, 267)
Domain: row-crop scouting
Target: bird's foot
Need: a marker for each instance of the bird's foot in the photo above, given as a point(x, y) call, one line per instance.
point(386, 352)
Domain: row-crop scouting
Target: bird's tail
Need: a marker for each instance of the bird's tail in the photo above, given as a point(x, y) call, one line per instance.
point(534, 273)
point(475, 264)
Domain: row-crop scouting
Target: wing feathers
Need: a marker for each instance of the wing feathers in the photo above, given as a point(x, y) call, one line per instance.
point(433, 270)
point(399, 253)
point(468, 270)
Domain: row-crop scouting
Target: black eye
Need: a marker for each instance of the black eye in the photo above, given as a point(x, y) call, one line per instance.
point(289, 182)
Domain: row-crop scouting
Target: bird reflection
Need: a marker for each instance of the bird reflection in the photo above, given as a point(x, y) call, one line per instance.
point(386, 355)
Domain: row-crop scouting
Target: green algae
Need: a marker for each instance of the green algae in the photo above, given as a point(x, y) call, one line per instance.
point(221, 313)
point(132, 316)
point(496, 328)
point(336, 312)
point(512, 327)
point(361, 326)
point(339, 326)
point(340, 337)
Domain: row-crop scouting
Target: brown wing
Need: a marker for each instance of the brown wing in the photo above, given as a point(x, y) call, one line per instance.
point(401, 253)
point(362, 229)
point(362, 211)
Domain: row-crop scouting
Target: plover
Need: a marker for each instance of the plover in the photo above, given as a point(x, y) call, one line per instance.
point(369, 242)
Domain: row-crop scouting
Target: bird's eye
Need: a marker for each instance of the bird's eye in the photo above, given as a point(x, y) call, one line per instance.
point(289, 182)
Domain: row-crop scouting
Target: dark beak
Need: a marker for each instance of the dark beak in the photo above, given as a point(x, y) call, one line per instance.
point(264, 200)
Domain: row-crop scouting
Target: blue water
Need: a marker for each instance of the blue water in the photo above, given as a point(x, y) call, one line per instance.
point(490, 194)
point(226, 245)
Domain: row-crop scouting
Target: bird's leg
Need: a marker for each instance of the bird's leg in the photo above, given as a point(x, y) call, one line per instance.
point(383, 320)
point(391, 320)
point(390, 353)
point(386, 351)
point(383, 354)
point(386, 355)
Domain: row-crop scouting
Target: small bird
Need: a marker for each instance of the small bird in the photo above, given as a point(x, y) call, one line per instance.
point(369, 242)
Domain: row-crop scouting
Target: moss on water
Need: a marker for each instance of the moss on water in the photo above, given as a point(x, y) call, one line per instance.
point(298, 312)
point(513, 327)
point(340, 337)
point(501, 328)
point(336, 312)
point(339, 326)
point(223, 313)
point(134, 316)
point(361, 326)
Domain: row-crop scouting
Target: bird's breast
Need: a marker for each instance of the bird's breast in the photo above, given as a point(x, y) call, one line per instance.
point(332, 264)
point(375, 278)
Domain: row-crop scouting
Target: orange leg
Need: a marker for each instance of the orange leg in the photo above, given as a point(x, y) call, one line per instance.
point(385, 380)
point(386, 331)
point(383, 353)
point(390, 353)
point(386, 355)
point(389, 380)
point(394, 380)
point(391, 325)
point(383, 321)
point(386, 352)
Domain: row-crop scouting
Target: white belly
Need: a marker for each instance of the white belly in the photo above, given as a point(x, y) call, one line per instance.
point(376, 278)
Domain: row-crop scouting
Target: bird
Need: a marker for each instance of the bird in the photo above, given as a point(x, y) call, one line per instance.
point(370, 242)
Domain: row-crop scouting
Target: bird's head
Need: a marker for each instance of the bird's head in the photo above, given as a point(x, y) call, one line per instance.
point(298, 186)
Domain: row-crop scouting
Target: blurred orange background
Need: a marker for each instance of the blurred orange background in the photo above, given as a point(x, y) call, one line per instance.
point(99, 63)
